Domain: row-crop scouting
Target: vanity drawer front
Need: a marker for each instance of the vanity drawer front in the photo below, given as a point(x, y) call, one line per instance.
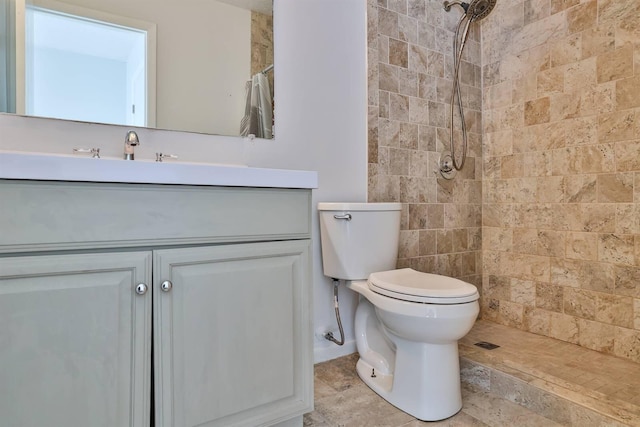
point(39, 215)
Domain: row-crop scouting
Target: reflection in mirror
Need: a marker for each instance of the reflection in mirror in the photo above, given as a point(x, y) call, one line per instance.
point(193, 65)
point(71, 61)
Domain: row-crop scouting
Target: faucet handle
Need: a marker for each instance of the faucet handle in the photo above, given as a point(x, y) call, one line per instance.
point(160, 156)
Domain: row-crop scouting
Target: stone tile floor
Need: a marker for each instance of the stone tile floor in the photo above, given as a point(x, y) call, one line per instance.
point(569, 384)
point(599, 382)
point(343, 400)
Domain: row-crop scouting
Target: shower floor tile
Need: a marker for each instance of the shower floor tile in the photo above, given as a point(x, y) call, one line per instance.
point(570, 374)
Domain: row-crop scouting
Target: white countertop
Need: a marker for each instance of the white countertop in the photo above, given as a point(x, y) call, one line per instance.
point(66, 168)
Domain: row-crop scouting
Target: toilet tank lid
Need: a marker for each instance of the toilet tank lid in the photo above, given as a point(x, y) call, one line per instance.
point(359, 206)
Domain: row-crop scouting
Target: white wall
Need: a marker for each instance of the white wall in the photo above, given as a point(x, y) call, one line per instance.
point(321, 122)
point(321, 109)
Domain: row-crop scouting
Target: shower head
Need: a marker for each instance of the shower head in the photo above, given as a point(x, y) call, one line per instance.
point(479, 9)
point(476, 10)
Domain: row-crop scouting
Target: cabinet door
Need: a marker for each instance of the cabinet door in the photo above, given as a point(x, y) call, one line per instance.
point(232, 338)
point(75, 345)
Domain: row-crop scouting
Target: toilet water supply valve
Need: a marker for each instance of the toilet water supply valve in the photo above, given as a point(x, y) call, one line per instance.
point(329, 335)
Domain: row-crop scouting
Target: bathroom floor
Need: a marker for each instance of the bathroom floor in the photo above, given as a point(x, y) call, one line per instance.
point(554, 384)
point(342, 399)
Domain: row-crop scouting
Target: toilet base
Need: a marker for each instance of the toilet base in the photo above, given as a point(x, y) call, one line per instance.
point(414, 351)
point(425, 382)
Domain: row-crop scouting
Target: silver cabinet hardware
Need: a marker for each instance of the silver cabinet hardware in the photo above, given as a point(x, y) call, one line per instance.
point(166, 286)
point(95, 152)
point(141, 289)
point(345, 216)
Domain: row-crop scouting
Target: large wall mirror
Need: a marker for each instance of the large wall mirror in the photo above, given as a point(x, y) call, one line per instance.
point(192, 65)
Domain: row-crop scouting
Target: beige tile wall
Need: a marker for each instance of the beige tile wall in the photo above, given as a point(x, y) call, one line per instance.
point(547, 211)
point(410, 74)
point(561, 184)
point(262, 44)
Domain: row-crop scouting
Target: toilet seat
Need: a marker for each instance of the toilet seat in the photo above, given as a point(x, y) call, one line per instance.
point(407, 284)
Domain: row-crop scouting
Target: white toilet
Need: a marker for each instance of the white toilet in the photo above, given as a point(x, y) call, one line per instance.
point(407, 323)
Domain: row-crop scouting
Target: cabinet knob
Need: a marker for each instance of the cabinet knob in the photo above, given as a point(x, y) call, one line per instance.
point(166, 285)
point(141, 289)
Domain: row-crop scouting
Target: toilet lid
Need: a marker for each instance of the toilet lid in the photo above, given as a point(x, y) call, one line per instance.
point(410, 285)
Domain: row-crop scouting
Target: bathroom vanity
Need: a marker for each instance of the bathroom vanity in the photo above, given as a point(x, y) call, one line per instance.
point(155, 303)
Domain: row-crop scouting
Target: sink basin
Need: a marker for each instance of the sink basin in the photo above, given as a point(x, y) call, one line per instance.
point(65, 168)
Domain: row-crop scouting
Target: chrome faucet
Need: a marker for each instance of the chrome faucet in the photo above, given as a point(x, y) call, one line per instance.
point(130, 141)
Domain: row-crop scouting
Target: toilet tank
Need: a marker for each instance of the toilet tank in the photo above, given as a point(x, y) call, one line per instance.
point(367, 242)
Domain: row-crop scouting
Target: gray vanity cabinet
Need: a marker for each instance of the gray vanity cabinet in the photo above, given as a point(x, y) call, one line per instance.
point(230, 334)
point(215, 279)
point(75, 340)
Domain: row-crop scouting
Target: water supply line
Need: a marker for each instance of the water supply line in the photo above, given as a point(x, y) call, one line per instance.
point(329, 335)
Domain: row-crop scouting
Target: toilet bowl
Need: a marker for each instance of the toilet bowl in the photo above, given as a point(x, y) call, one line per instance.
point(407, 323)
point(409, 349)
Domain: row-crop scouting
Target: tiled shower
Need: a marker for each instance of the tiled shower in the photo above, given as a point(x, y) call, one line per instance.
point(545, 215)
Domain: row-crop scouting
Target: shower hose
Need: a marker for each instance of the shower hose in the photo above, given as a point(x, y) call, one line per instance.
point(458, 48)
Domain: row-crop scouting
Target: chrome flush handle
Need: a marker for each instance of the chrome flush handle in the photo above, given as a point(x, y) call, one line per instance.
point(95, 152)
point(345, 216)
point(160, 156)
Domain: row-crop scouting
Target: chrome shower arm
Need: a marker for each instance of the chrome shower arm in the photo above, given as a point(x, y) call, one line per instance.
point(447, 5)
